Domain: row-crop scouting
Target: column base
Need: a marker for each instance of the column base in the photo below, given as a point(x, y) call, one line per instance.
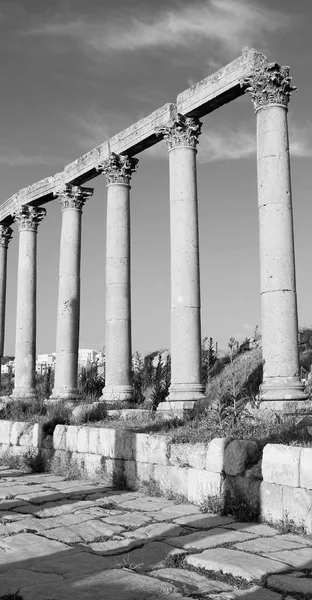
point(176, 409)
point(282, 388)
point(65, 394)
point(117, 396)
point(23, 394)
point(186, 393)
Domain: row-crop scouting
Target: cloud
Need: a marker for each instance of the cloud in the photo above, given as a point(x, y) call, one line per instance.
point(96, 127)
point(230, 24)
point(225, 143)
point(17, 159)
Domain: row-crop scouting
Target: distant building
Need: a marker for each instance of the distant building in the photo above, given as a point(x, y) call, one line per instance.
point(44, 362)
point(86, 357)
point(9, 367)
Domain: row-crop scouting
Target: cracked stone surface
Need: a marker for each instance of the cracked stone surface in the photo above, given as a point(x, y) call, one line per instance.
point(75, 540)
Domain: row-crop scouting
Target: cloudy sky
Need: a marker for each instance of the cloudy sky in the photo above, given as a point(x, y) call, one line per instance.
point(74, 73)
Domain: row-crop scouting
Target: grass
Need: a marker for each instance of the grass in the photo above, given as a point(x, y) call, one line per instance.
point(30, 461)
point(153, 488)
point(287, 525)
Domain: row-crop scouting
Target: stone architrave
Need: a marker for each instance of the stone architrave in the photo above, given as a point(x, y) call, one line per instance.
point(28, 219)
point(72, 199)
point(181, 136)
point(270, 88)
point(5, 237)
point(118, 388)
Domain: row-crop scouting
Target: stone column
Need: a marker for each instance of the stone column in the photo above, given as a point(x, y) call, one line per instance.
point(28, 219)
point(270, 88)
point(5, 237)
point(118, 390)
point(72, 199)
point(181, 136)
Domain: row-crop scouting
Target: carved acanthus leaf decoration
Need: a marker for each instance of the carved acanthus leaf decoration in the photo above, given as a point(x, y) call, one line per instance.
point(182, 131)
point(29, 217)
point(118, 168)
point(73, 196)
point(269, 84)
point(5, 235)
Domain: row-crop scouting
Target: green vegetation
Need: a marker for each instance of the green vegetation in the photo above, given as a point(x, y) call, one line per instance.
point(229, 409)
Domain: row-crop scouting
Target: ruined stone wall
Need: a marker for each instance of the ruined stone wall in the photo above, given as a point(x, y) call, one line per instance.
point(279, 483)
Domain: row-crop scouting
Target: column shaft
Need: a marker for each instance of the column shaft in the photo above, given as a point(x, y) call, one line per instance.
point(270, 87)
point(118, 388)
point(186, 386)
point(72, 199)
point(5, 236)
point(277, 259)
point(25, 345)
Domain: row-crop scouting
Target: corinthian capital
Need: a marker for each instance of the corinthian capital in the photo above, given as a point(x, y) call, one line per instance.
point(5, 235)
point(118, 168)
point(181, 131)
point(73, 196)
point(269, 84)
point(29, 217)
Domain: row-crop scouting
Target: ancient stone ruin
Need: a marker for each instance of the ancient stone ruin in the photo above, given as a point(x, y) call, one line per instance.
point(179, 126)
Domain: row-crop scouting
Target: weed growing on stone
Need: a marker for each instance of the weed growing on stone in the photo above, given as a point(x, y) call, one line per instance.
point(241, 508)
point(34, 461)
point(11, 462)
point(66, 466)
point(287, 525)
point(175, 561)
point(234, 581)
point(152, 488)
point(212, 504)
point(128, 565)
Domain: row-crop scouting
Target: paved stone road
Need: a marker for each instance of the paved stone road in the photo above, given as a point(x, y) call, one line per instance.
point(72, 540)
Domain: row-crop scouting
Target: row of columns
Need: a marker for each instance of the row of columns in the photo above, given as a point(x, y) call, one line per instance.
point(270, 88)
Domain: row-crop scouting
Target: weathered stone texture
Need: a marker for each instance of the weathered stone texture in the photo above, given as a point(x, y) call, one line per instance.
point(297, 505)
point(280, 464)
point(215, 455)
point(306, 468)
point(271, 501)
point(202, 484)
point(173, 479)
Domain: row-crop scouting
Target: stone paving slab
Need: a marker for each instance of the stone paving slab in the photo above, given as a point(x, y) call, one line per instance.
point(74, 563)
point(295, 582)
point(156, 530)
point(300, 559)
point(204, 521)
point(239, 564)
point(117, 583)
point(151, 556)
point(253, 593)
point(83, 532)
point(189, 582)
point(268, 545)
point(199, 540)
point(23, 546)
point(145, 504)
point(117, 546)
point(95, 542)
point(17, 579)
point(173, 512)
point(128, 519)
point(257, 529)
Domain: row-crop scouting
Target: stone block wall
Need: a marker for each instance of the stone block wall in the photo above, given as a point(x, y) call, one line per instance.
point(195, 471)
point(279, 484)
point(17, 437)
point(286, 490)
